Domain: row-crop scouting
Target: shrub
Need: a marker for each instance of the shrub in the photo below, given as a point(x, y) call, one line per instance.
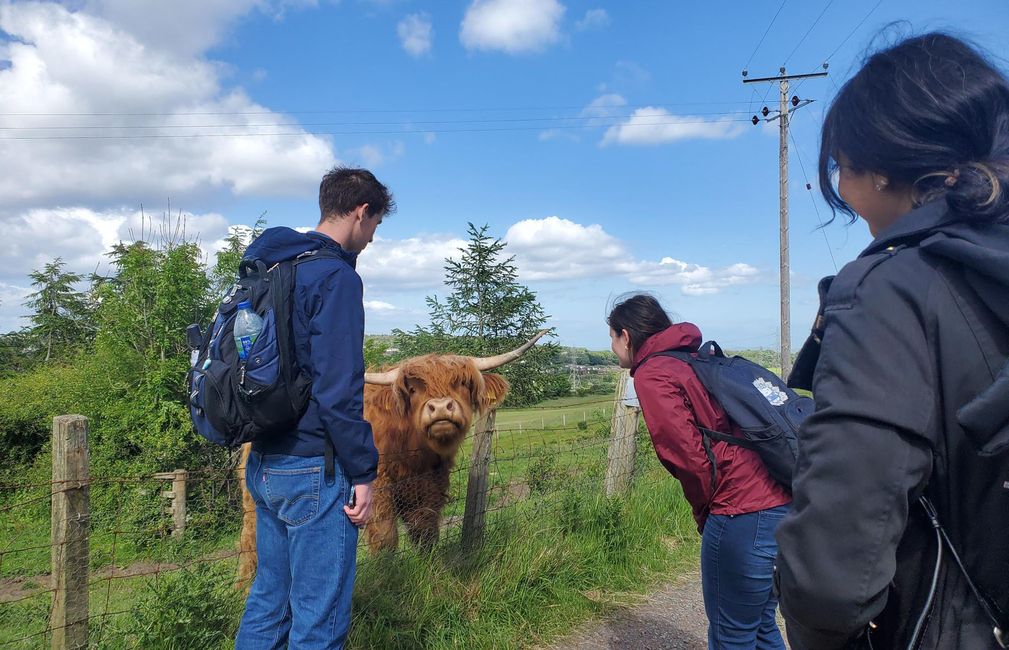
point(193, 608)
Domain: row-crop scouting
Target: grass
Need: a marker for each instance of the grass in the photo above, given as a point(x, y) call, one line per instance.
point(561, 412)
point(556, 553)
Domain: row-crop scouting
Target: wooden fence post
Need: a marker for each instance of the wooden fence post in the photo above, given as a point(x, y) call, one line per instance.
point(177, 499)
point(475, 515)
point(71, 517)
point(623, 430)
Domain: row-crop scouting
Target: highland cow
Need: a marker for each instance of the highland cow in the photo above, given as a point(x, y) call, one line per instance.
point(420, 412)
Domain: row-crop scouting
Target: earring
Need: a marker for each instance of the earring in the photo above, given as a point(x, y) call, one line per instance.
point(881, 184)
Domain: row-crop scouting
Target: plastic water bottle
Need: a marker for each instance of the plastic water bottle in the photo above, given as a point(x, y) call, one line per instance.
point(248, 325)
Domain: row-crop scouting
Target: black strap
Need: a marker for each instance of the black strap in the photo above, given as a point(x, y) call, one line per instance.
point(933, 516)
point(730, 439)
point(330, 468)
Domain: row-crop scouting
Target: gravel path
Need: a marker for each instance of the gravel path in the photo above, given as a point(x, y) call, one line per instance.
point(672, 617)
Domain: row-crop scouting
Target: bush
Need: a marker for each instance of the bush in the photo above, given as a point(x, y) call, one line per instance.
point(193, 608)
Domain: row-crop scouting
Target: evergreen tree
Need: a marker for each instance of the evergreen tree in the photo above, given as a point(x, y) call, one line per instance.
point(61, 319)
point(489, 312)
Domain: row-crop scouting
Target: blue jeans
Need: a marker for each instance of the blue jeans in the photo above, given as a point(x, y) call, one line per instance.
point(737, 568)
point(307, 550)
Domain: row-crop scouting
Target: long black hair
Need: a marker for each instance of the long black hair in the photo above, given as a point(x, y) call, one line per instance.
point(930, 113)
point(641, 315)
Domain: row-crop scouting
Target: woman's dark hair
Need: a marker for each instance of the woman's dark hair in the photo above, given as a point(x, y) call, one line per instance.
point(931, 113)
point(344, 188)
point(641, 315)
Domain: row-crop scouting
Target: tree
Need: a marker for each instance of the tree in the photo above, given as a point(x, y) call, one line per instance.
point(223, 274)
point(61, 319)
point(489, 312)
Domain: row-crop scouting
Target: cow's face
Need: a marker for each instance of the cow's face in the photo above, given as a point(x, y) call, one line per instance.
point(441, 395)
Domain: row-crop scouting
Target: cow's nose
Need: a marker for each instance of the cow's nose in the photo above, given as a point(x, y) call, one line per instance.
point(442, 405)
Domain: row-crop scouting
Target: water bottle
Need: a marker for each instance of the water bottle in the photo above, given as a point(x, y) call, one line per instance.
point(248, 325)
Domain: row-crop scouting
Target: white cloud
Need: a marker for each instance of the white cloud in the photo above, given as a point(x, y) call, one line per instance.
point(371, 155)
point(379, 306)
point(652, 126)
point(408, 264)
point(693, 279)
point(554, 249)
point(430, 137)
point(82, 236)
point(593, 19)
point(601, 111)
point(415, 34)
point(559, 249)
point(185, 26)
point(77, 63)
point(512, 26)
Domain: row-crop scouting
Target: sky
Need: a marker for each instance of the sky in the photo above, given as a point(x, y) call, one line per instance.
point(609, 144)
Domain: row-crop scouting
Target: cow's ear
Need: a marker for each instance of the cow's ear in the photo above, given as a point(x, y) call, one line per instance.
point(495, 389)
point(390, 399)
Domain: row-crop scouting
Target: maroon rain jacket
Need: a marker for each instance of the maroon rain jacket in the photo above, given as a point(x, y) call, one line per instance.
point(674, 401)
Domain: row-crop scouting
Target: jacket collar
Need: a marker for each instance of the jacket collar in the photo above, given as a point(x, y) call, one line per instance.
point(334, 246)
point(912, 226)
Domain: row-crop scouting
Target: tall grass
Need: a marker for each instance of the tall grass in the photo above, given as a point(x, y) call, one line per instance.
point(544, 567)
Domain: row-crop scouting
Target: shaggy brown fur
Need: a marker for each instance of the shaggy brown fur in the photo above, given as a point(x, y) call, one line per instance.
point(419, 424)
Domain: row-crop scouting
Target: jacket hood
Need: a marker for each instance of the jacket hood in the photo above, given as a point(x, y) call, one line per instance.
point(981, 249)
point(982, 252)
point(282, 243)
point(678, 336)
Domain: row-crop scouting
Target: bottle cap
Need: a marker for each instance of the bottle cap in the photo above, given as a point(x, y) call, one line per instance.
point(245, 304)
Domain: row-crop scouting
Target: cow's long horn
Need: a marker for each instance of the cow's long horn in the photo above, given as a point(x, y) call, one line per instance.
point(387, 378)
point(489, 363)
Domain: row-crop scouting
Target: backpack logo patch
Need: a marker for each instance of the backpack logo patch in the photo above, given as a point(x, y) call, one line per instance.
point(774, 395)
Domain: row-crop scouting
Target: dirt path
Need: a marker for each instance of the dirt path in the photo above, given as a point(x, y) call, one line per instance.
point(672, 617)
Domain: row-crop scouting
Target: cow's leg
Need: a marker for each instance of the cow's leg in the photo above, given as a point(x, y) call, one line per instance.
point(423, 517)
point(247, 540)
point(381, 528)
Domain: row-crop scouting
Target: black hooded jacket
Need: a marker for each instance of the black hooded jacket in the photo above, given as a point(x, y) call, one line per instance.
point(911, 383)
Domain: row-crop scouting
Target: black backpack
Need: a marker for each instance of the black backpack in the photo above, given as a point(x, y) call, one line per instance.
point(231, 401)
point(767, 411)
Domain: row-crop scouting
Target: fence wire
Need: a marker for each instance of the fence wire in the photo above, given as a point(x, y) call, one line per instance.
point(135, 546)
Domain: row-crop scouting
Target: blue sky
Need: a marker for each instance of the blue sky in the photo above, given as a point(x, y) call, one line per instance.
point(608, 143)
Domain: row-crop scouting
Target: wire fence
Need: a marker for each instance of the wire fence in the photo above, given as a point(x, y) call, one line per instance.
point(70, 571)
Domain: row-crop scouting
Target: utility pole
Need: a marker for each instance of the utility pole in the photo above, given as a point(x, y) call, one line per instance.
point(783, 116)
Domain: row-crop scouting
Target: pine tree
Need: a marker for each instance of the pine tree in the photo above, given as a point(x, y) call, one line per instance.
point(61, 319)
point(488, 312)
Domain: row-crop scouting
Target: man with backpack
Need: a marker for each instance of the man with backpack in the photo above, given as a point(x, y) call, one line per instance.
point(312, 484)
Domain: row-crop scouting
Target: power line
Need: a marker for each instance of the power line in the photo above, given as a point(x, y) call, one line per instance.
point(761, 41)
point(852, 32)
point(360, 110)
point(841, 44)
point(809, 188)
point(370, 132)
point(801, 40)
point(387, 123)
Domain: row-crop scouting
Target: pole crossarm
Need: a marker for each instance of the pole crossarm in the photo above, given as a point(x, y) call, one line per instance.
point(785, 77)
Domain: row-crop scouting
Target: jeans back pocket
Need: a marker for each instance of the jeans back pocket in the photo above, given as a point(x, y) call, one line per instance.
point(293, 494)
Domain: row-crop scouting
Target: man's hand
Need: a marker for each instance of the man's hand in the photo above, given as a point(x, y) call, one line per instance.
point(361, 511)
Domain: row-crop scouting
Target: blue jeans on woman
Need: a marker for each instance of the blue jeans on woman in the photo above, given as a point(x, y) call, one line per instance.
point(307, 550)
point(737, 569)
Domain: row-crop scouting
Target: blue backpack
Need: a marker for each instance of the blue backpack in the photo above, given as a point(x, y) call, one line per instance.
point(768, 412)
point(231, 401)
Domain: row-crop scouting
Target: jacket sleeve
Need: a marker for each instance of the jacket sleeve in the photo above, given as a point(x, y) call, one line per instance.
point(336, 333)
point(862, 454)
point(674, 435)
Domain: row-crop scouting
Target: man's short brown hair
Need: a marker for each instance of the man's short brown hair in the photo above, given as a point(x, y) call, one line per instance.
point(344, 188)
